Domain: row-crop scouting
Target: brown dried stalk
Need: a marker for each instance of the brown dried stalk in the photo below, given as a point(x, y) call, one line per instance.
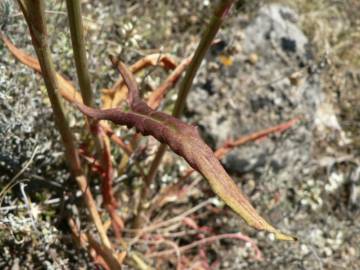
point(82, 241)
point(184, 140)
point(65, 87)
point(108, 257)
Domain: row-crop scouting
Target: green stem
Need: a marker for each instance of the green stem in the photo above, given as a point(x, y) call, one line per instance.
point(213, 27)
point(34, 14)
point(78, 44)
point(216, 20)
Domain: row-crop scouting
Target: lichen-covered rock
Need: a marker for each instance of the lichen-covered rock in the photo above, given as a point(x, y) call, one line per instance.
point(250, 95)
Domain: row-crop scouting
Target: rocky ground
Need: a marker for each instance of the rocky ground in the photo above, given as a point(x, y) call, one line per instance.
point(275, 62)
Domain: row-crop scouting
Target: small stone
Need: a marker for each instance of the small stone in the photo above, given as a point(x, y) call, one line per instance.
point(327, 251)
point(272, 237)
point(304, 249)
point(295, 78)
point(253, 58)
point(352, 251)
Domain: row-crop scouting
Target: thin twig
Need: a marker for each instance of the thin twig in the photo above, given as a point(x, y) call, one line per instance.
point(155, 226)
point(208, 240)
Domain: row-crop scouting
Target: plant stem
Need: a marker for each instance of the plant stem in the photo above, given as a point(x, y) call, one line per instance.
point(78, 45)
point(147, 181)
point(102, 144)
point(34, 14)
point(213, 27)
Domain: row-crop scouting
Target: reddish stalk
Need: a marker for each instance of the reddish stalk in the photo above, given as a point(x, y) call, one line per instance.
point(157, 95)
point(108, 195)
point(209, 240)
point(119, 91)
point(228, 146)
point(82, 241)
point(165, 60)
point(109, 202)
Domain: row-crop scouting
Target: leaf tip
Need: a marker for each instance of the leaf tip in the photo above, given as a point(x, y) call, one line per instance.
point(284, 237)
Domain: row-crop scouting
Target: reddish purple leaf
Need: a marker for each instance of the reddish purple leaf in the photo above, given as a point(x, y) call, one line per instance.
point(184, 140)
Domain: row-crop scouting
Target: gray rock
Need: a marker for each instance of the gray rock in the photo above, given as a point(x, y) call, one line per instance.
point(230, 101)
point(277, 24)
